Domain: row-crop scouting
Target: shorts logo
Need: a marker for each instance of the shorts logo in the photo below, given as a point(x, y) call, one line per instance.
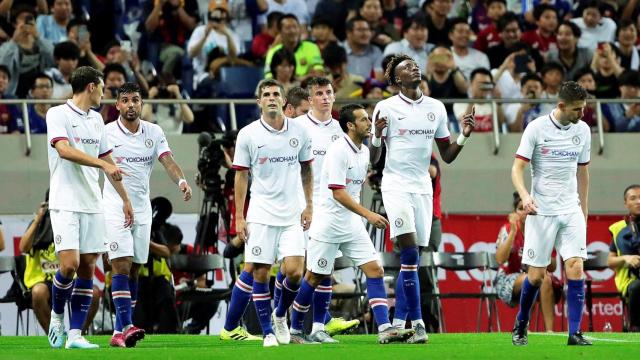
point(399, 222)
point(335, 137)
point(113, 246)
point(293, 142)
point(322, 263)
point(575, 140)
point(58, 239)
point(531, 253)
point(148, 143)
point(256, 250)
point(431, 116)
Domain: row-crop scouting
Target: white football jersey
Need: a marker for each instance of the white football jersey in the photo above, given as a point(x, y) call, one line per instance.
point(273, 157)
point(75, 187)
point(411, 128)
point(345, 167)
point(135, 154)
point(555, 151)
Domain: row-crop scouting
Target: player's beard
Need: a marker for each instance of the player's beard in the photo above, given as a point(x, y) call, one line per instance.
point(128, 117)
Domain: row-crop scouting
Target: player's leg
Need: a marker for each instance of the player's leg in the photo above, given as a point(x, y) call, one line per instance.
point(93, 309)
point(277, 287)
point(40, 296)
point(240, 298)
point(547, 302)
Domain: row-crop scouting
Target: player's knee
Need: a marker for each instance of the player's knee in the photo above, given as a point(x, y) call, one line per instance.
point(260, 273)
point(546, 280)
point(40, 293)
point(69, 267)
point(574, 268)
point(294, 276)
point(96, 294)
point(376, 272)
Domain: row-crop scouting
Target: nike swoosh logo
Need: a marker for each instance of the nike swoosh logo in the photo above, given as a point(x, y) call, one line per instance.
point(74, 126)
point(546, 140)
point(351, 168)
point(401, 118)
point(261, 146)
point(118, 145)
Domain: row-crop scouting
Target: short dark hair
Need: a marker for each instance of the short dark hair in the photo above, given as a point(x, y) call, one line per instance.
point(516, 200)
point(582, 72)
point(351, 23)
point(284, 17)
point(41, 75)
point(455, 21)
point(507, 19)
point(321, 20)
point(334, 55)
point(541, 8)
point(280, 56)
point(347, 116)
point(390, 70)
point(550, 66)
point(571, 91)
point(83, 76)
point(66, 50)
point(317, 81)
point(574, 28)
point(623, 24)
point(273, 18)
point(75, 22)
point(114, 67)
point(266, 83)
point(629, 78)
point(593, 4)
point(296, 95)
point(489, 2)
point(630, 187)
point(128, 88)
point(5, 69)
point(530, 77)
point(418, 19)
point(481, 71)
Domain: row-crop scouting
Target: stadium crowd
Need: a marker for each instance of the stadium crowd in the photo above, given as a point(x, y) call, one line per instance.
point(176, 49)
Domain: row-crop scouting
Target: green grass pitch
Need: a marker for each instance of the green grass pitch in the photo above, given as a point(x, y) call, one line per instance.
point(495, 346)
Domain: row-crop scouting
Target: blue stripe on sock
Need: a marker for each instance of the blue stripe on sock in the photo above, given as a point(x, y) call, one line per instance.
point(60, 296)
point(321, 301)
point(411, 283)
point(289, 292)
point(377, 292)
point(122, 302)
point(263, 306)
point(239, 301)
point(80, 302)
point(302, 300)
point(575, 304)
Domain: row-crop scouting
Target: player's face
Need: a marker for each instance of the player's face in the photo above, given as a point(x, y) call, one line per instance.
point(97, 93)
point(271, 101)
point(322, 98)
point(301, 109)
point(130, 106)
point(362, 124)
point(632, 201)
point(408, 74)
point(573, 111)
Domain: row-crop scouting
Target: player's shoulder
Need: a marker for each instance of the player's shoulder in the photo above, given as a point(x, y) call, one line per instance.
point(58, 111)
point(151, 128)
point(248, 129)
point(583, 127)
point(297, 127)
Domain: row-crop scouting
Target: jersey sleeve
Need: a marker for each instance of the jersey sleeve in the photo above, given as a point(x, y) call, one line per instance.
point(380, 111)
point(242, 155)
point(336, 170)
point(56, 129)
point(442, 132)
point(105, 144)
point(527, 144)
point(306, 149)
point(585, 155)
point(162, 145)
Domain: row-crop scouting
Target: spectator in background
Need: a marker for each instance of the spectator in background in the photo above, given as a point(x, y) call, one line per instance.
point(171, 118)
point(215, 34)
point(595, 28)
point(552, 74)
point(490, 36)
point(114, 77)
point(363, 58)
point(507, 76)
point(42, 89)
point(445, 79)
point(261, 42)
point(518, 116)
point(543, 37)
point(169, 24)
point(344, 83)
point(606, 68)
point(572, 57)
point(121, 53)
point(54, 27)
point(481, 87)
point(586, 79)
point(78, 33)
point(627, 36)
point(6, 6)
point(625, 117)
point(337, 12)
point(322, 32)
point(465, 57)
point(298, 8)
point(307, 54)
point(414, 42)
point(10, 115)
point(624, 255)
point(296, 103)
point(511, 35)
point(283, 68)
point(26, 54)
point(437, 12)
point(66, 55)
point(383, 32)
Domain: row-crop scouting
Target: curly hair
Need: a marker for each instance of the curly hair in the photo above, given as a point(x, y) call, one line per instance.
point(390, 71)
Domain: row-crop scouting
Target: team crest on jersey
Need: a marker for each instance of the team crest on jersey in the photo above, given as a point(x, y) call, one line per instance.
point(575, 140)
point(335, 137)
point(431, 116)
point(399, 222)
point(531, 253)
point(256, 250)
point(293, 142)
point(322, 262)
point(113, 246)
point(148, 143)
point(58, 239)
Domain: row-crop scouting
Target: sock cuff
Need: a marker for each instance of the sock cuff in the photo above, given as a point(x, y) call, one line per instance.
point(289, 286)
point(62, 282)
point(326, 281)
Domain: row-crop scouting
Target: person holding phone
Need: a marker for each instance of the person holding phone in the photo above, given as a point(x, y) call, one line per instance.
point(78, 33)
point(481, 87)
point(54, 27)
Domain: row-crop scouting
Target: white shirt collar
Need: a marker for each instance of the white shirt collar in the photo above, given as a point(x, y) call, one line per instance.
point(407, 100)
point(556, 123)
point(317, 121)
point(353, 146)
point(126, 131)
point(271, 129)
point(76, 109)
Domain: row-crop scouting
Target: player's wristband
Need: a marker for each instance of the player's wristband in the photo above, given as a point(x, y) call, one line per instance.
point(181, 181)
point(462, 139)
point(376, 141)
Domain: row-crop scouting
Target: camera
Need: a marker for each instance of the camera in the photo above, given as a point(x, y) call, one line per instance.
point(209, 162)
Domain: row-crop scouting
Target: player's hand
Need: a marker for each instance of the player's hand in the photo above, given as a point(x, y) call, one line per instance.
point(305, 218)
point(113, 172)
point(513, 221)
point(377, 220)
point(186, 191)
point(530, 205)
point(469, 122)
point(241, 229)
point(128, 214)
point(380, 124)
point(632, 261)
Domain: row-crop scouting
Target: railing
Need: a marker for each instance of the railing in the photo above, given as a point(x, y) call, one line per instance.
point(234, 122)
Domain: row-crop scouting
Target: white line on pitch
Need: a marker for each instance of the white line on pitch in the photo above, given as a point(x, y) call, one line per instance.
point(588, 337)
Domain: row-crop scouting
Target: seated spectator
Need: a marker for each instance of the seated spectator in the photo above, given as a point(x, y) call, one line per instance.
point(624, 255)
point(41, 266)
point(595, 27)
point(552, 74)
point(481, 86)
point(10, 115)
point(466, 57)
point(297, 8)
point(543, 37)
point(171, 118)
point(490, 36)
point(518, 116)
point(54, 27)
point(66, 55)
point(296, 102)
point(344, 83)
point(625, 117)
point(337, 12)
point(507, 77)
point(261, 42)
point(384, 33)
point(78, 33)
point(121, 53)
point(169, 24)
point(444, 78)
point(438, 23)
point(586, 79)
point(511, 35)
point(26, 54)
point(572, 57)
point(322, 32)
point(606, 68)
point(114, 77)
point(627, 37)
point(414, 42)
point(215, 34)
point(283, 68)
point(42, 89)
point(363, 58)
point(307, 54)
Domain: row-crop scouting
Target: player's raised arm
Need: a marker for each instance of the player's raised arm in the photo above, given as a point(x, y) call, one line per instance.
point(449, 151)
point(175, 173)
point(375, 145)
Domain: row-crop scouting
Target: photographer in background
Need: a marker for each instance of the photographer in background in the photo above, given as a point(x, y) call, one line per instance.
point(114, 77)
point(170, 117)
point(41, 266)
point(481, 87)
